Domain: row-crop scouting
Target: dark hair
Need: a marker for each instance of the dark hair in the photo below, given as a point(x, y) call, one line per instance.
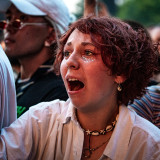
point(124, 51)
point(137, 26)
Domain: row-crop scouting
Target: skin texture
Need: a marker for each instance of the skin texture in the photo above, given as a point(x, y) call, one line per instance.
point(26, 44)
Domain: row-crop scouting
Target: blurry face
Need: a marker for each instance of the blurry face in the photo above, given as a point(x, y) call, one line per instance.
point(86, 78)
point(27, 41)
point(155, 35)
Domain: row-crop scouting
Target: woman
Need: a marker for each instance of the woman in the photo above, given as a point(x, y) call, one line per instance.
point(101, 61)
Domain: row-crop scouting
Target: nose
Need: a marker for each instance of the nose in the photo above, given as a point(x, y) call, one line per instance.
point(73, 61)
point(10, 28)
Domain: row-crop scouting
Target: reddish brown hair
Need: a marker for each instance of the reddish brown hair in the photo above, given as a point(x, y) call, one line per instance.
point(129, 53)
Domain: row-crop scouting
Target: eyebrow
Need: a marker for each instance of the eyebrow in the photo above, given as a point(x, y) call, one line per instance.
point(83, 43)
point(87, 43)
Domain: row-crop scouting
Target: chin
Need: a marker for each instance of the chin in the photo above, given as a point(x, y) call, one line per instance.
point(80, 106)
point(77, 103)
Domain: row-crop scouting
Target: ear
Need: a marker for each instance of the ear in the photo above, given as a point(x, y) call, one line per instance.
point(120, 79)
point(51, 38)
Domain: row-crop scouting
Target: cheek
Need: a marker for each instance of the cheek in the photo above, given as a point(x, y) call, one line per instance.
point(36, 35)
point(63, 69)
point(99, 76)
point(103, 85)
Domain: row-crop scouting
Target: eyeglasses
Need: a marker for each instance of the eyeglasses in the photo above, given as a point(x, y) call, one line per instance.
point(17, 24)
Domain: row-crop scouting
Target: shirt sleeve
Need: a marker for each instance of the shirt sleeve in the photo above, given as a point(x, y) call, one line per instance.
point(8, 111)
point(27, 137)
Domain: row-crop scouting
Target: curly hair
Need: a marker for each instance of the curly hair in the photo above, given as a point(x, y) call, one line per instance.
point(124, 51)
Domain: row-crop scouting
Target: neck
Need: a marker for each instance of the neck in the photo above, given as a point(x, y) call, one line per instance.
point(30, 64)
point(97, 120)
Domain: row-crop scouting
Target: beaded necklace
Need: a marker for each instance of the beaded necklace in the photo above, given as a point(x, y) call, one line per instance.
point(89, 150)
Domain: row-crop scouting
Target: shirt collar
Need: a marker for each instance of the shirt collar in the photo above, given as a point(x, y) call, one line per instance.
point(120, 136)
point(68, 115)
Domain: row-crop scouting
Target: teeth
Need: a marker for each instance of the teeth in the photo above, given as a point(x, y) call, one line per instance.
point(72, 79)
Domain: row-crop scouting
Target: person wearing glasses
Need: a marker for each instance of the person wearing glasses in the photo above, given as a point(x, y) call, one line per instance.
point(31, 30)
point(99, 59)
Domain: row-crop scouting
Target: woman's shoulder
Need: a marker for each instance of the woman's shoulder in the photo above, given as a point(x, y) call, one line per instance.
point(145, 128)
point(143, 135)
point(139, 125)
point(54, 107)
point(45, 111)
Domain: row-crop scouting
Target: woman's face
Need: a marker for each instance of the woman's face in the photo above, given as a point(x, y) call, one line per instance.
point(85, 76)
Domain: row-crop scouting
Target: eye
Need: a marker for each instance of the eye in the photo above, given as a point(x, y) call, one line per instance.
point(66, 54)
point(88, 53)
point(23, 18)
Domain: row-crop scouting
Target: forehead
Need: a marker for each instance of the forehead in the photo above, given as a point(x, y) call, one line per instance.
point(80, 40)
point(15, 13)
point(77, 36)
point(13, 10)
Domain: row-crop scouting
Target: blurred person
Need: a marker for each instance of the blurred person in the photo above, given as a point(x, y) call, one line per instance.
point(99, 63)
point(155, 35)
point(14, 62)
point(31, 30)
point(148, 106)
point(8, 112)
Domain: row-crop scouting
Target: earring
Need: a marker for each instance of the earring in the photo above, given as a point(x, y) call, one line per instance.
point(46, 44)
point(119, 87)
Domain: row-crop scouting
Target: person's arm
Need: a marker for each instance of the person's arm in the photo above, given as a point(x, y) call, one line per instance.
point(95, 7)
point(27, 137)
point(8, 111)
point(16, 140)
point(89, 7)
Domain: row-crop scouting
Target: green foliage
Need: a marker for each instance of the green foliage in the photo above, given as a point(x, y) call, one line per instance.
point(146, 12)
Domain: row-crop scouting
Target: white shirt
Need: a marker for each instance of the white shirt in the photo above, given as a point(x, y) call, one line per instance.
point(8, 106)
point(50, 131)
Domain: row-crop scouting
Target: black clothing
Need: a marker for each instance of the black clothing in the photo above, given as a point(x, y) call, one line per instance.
point(44, 85)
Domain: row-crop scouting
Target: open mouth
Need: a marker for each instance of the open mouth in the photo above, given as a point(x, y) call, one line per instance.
point(75, 84)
